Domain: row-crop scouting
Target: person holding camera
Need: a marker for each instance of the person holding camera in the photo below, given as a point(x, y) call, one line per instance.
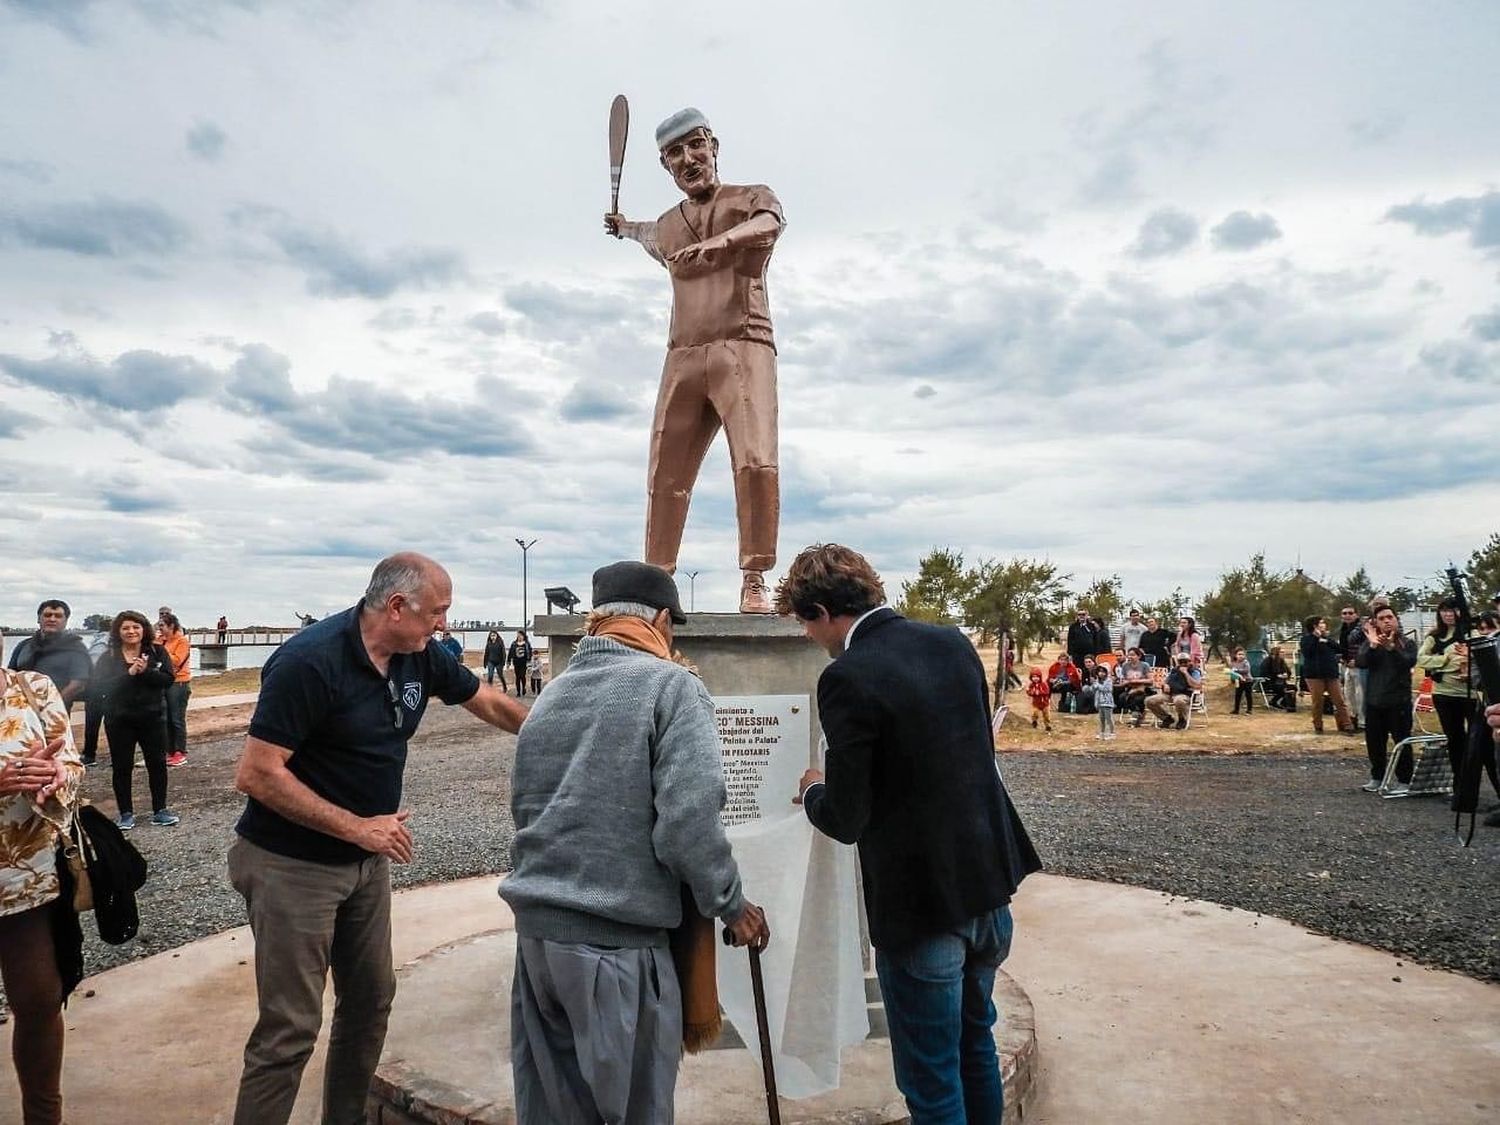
point(1320, 668)
point(1444, 656)
point(1389, 656)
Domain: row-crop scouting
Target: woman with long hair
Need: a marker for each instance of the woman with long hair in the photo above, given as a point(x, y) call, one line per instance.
point(134, 674)
point(494, 658)
point(40, 946)
point(520, 656)
point(1320, 668)
point(1445, 658)
point(1189, 641)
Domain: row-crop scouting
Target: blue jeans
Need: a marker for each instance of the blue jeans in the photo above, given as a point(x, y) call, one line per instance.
point(937, 995)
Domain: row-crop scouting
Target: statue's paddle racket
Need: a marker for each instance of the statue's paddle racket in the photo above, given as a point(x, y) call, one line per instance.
point(619, 126)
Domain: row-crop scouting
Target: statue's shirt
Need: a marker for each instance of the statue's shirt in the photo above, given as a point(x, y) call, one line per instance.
point(728, 303)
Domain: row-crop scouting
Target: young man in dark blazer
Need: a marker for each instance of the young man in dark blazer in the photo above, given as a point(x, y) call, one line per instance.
point(911, 779)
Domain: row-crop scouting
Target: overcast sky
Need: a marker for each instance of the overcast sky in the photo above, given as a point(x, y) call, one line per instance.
point(1139, 288)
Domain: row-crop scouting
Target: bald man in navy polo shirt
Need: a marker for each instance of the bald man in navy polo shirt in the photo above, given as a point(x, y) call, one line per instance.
point(322, 773)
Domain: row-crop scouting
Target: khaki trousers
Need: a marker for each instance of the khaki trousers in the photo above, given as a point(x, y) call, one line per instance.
point(729, 384)
point(308, 918)
point(1317, 689)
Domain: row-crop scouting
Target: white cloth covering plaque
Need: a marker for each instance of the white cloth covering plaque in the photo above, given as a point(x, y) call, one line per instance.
point(814, 974)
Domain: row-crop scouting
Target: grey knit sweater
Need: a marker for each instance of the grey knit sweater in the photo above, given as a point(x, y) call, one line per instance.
point(616, 797)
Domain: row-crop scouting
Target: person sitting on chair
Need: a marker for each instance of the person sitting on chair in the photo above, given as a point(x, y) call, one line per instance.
point(1133, 684)
point(1064, 679)
point(1182, 681)
point(1278, 676)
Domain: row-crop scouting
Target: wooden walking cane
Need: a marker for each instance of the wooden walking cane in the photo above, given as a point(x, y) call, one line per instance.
point(763, 1032)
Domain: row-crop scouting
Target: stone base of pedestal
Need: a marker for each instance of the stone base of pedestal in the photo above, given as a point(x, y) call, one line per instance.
point(447, 1055)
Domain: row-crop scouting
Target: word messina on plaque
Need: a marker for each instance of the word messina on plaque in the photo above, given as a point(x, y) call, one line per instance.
point(764, 742)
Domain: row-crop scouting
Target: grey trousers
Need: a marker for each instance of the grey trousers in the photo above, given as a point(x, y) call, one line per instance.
point(308, 918)
point(596, 1034)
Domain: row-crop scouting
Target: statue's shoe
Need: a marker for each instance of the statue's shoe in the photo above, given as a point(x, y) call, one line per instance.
point(754, 597)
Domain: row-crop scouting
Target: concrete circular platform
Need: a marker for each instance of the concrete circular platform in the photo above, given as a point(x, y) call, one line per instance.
point(447, 1059)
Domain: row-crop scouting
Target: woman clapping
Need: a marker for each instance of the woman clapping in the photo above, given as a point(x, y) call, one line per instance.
point(134, 674)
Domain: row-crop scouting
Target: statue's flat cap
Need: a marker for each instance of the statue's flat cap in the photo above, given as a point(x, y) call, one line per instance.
point(679, 125)
point(631, 581)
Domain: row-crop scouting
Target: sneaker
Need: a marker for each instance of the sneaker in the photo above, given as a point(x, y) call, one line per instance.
point(754, 597)
point(177, 758)
point(1371, 786)
point(1400, 789)
point(125, 822)
point(90, 759)
point(164, 818)
point(1182, 724)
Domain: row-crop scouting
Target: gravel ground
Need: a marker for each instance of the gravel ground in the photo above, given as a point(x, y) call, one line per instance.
point(1278, 834)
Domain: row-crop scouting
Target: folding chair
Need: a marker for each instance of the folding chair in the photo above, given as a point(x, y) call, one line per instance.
point(1431, 776)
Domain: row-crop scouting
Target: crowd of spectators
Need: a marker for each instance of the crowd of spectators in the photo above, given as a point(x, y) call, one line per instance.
point(1362, 675)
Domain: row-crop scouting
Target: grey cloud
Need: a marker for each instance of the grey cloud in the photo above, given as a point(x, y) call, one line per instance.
point(1486, 326)
point(14, 423)
point(489, 322)
point(280, 456)
point(135, 382)
point(1115, 179)
point(1367, 131)
point(206, 141)
point(568, 315)
point(262, 378)
point(336, 267)
point(67, 16)
point(1479, 215)
point(33, 170)
point(101, 228)
point(359, 416)
point(1243, 231)
point(925, 390)
point(131, 495)
point(590, 401)
point(400, 319)
point(1165, 231)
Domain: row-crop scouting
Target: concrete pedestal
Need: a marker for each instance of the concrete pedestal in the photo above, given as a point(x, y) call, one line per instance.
point(736, 653)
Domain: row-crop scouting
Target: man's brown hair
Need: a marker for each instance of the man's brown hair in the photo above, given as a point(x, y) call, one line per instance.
point(839, 579)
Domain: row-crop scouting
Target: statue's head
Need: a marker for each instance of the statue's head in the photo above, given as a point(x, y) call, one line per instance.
point(690, 152)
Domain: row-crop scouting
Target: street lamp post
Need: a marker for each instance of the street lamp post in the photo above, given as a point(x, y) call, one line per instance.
point(525, 546)
point(692, 589)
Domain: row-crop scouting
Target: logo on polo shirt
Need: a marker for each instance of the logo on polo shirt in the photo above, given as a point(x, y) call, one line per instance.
point(412, 695)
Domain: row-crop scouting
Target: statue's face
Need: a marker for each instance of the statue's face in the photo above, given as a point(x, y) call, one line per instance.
point(693, 163)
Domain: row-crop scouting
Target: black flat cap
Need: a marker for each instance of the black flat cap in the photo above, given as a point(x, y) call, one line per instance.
point(638, 582)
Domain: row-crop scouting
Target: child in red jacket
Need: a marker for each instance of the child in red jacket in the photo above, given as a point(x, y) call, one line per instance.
point(1040, 695)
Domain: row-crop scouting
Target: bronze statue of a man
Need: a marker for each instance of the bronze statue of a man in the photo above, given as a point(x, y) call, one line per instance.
point(721, 356)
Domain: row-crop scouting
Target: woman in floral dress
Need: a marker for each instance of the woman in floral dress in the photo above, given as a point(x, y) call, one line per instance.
point(39, 776)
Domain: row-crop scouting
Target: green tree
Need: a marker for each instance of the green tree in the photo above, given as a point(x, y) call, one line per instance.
point(97, 622)
point(1020, 599)
point(1168, 609)
point(1484, 573)
point(1356, 590)
point(1232, 613)
point(939, 591)
point(1104, 598)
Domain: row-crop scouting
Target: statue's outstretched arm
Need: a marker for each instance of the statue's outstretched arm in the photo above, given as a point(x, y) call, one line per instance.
point(644, 233)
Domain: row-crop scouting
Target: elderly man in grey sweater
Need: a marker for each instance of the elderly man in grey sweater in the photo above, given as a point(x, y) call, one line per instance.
point(616, 798)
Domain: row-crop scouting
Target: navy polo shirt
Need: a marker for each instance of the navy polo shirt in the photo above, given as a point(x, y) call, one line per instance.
point(324, 700)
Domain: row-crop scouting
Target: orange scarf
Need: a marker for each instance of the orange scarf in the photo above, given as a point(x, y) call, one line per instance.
point(633, 633)
point(693, 951)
